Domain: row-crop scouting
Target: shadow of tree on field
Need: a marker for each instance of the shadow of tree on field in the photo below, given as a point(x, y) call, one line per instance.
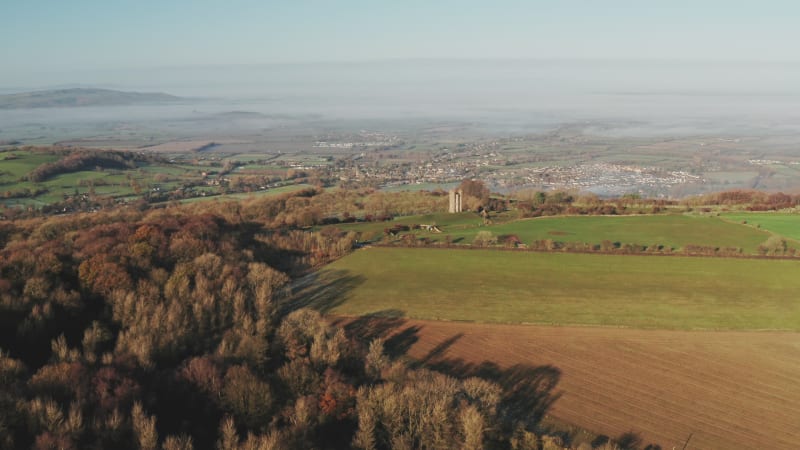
point(600, 440)
point(528, 391)
point(377, 325)
point(626, 441)
point(440, 349)
point(323, 291)
point(630, 441)
point(389, 325)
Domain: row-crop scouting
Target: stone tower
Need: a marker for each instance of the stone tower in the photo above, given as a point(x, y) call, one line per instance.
point(455, 200)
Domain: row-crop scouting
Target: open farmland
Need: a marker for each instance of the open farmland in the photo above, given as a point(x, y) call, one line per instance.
point(729, 390)
point(243, 196)
point(560, 288)
point(650, 369)
point(449, 222)
point(787, 225)
point(43, 177)
point(18, 163)
point(673, 231)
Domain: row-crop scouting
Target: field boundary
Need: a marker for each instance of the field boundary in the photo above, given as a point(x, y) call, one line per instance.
point(581, 252)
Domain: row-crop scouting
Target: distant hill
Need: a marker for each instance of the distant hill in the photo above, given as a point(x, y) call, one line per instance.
point(80, 97)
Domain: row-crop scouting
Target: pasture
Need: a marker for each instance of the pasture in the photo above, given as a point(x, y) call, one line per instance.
point(665, 292)
point(784, 224)
point(148, 177)
point(242, 196)
point(673, 231)
point(670, 230)
point(16, 164)
point(451, 222)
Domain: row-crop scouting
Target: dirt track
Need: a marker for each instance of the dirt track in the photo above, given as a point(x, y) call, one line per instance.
point(728, 389)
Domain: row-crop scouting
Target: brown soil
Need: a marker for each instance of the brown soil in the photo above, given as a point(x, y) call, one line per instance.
point(727, 389)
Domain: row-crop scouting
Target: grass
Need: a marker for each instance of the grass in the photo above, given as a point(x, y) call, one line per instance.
point(420, 187)
point(261, 167)
point(787, 225)
point(461, 221)
point(674, 231)
point(567, 289)
point(249, 195)
point(22, 163)
point(116, 183)
point(110, 182)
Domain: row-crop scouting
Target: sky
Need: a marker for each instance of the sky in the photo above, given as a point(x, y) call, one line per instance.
point(114, 34)
point(599, 55)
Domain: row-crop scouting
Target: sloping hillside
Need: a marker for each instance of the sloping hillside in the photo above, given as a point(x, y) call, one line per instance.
point(80, 97)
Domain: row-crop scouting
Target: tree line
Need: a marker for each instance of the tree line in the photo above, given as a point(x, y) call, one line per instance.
point(177, 328)
point(73, 161)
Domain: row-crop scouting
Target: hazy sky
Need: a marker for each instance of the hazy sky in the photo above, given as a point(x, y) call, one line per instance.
point(65, 36)
point(669, 61)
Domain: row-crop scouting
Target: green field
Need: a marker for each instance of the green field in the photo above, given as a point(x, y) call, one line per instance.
point(127, 183)
point(567, 289)
point(420, 187)
point(112, 183)
point(787, 225)
point(16, 164)
point(672, 231)
point(446, 221)
point(249, 195)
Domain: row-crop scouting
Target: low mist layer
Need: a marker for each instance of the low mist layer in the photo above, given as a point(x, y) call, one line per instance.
point(629, 98)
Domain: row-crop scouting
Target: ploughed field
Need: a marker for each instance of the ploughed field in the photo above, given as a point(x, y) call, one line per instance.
point(729, 390)
point(668, 346)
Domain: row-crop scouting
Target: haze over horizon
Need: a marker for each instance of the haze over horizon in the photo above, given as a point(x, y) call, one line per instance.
point(687, 65)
